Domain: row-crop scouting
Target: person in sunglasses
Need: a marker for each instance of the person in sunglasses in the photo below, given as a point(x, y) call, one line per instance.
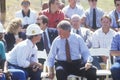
point(93, 15)
point(51, 34)
point(27, 15)
point(115, 16)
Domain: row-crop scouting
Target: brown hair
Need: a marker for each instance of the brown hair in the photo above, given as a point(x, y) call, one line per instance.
point(115, 1)
point(25, 1)
point(106, 16)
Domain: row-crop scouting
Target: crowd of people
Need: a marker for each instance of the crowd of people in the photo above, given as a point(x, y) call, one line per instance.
point(66, 33)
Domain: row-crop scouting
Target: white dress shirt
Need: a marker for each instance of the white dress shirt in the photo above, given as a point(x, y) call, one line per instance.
point(68, 11)
point(23, 54)
point(102, 40)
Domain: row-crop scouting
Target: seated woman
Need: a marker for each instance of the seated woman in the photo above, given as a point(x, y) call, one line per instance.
point(14, 33)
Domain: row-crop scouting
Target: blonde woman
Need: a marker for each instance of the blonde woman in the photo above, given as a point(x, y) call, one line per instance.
point(13, 33)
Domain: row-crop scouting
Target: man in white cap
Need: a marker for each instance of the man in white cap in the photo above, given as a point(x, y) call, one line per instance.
point(24, 55)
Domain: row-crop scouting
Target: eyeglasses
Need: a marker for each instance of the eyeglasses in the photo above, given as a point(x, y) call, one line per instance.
point(93, 0)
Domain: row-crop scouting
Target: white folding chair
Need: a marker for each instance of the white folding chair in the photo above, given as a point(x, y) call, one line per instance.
point(42, 55)
point(102, 52)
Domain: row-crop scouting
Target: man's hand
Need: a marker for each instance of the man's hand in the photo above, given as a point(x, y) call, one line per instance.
point(51, 72)
point(88, 65)
point(35, 66)
point(51, 75)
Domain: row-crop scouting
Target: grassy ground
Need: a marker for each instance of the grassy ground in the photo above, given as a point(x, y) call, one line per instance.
point(14, 5)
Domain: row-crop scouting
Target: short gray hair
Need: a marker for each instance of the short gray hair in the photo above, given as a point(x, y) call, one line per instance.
point(76, 16)
point(65, 25)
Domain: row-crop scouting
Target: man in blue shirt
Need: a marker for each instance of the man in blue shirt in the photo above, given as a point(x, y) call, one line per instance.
point(93, 15)
point(115, 51)
point(67, 49)
point(115, 15)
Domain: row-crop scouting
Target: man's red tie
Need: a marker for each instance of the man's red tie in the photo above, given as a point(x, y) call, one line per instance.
point(68, 57)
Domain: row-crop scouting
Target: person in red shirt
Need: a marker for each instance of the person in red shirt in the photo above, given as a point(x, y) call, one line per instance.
point(54, 14)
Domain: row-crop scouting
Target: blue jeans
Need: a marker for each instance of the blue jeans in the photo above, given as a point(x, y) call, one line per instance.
point(115, 70)
point(17, 74)
point(28, 72)
point(3, 77)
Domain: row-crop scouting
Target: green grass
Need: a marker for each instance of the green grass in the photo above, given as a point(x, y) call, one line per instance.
point(106, 5)
point(14, 5)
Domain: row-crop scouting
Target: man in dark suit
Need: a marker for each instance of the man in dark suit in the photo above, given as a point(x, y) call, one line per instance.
point(49, 33)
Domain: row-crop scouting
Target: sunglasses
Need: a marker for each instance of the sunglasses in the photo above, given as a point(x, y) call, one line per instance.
point(93, 0)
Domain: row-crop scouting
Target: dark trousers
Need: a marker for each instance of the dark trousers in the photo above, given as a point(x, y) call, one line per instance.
point(63, 69)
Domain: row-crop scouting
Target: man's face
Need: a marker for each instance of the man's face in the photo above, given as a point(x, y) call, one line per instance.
point(56, 4)
point(72, 2)
point(92, 3)
point(40, 23)
point(75, 23)
point(25, 6)
point(37, 38)
point(105, 22)
point(117, 6)
point(63, 33)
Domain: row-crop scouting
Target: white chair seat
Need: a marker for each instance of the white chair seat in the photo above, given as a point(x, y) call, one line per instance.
point(103, 72)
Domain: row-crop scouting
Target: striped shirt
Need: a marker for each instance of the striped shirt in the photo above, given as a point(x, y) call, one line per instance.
point(102, 40)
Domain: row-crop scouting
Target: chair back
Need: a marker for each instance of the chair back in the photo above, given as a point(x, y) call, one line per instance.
point(102, 52)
